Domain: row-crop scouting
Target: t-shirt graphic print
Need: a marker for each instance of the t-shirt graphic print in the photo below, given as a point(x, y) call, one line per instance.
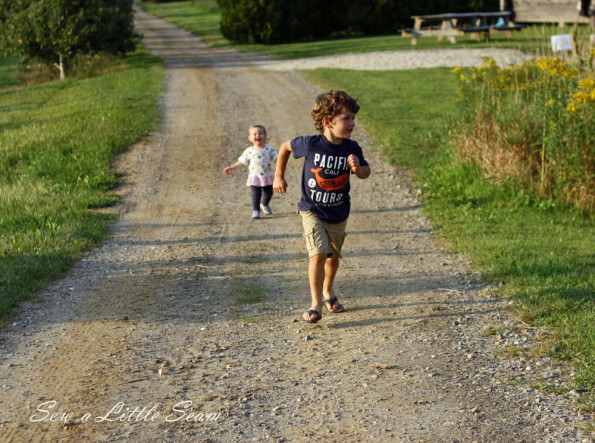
point(325, 175)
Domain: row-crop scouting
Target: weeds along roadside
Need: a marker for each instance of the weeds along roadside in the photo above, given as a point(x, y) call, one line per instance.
point(532, 124)
point(57, 143)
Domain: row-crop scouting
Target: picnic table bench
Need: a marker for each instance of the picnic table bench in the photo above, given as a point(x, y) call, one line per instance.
point(451, 25)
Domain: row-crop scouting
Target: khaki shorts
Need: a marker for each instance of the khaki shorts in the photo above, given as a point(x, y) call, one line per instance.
point(322, 237)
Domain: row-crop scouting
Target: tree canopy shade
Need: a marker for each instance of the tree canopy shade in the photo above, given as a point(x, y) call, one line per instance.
point(282, 21)
point(54, 30)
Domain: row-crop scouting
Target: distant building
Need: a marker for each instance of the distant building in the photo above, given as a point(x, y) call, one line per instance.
point(549, 11)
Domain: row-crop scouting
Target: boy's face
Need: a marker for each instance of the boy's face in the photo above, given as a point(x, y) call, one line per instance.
point(257, 137)
point(341, 125)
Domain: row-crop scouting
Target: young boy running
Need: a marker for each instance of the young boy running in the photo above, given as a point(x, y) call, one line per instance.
point(329, 159)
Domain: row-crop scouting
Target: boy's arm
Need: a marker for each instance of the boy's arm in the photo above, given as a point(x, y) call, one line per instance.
point(359, 170)
point(280, 185)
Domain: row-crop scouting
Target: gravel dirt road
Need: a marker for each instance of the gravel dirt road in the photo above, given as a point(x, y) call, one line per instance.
point(152, 337)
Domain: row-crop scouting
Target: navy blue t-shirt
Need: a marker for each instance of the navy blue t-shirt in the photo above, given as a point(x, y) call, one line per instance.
point(325, 176)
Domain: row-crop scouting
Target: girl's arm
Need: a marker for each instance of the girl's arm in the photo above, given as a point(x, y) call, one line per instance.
point(236, 165)
point(280, 185)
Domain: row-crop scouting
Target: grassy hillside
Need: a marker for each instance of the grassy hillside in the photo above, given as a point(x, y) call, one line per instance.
point(57, 142)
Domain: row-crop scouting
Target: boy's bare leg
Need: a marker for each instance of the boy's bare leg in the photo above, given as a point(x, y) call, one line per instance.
point(321, 273)
point(330, 271)
point(316, 275)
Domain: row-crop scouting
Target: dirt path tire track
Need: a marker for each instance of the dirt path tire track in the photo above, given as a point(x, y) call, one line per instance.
point(152, 317)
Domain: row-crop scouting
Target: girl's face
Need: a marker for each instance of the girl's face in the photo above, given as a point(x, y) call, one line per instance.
point(257, 136)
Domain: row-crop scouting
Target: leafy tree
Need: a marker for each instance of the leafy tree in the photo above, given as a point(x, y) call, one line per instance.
point(55, 30)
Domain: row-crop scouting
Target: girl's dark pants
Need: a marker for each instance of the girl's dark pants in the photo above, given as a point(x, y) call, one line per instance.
point(265, 193)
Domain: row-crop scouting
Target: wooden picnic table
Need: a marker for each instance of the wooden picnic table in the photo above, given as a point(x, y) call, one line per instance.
point(450, 25)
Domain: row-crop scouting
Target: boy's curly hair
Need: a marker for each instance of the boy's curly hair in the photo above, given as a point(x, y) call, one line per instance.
point(331, 104)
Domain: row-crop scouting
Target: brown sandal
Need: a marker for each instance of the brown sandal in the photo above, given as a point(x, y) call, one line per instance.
point(310, 313)
point(334, 302)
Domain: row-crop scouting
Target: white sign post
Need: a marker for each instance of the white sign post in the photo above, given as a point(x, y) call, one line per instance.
point(561, 42)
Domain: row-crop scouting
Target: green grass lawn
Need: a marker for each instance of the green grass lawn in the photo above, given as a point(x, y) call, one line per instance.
point(414, 104)
point(543, 255)
point(200, 17)
point(57, 142)
point(11, 73)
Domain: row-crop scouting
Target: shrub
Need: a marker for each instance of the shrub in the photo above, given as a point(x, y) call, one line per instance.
point(271, 21)
point(280, 21)
point(532, 124)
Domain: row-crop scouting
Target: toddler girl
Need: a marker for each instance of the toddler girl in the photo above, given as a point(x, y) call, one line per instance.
point(260, 173)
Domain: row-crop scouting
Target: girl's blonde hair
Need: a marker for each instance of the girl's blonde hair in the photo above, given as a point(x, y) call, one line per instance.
point(259, 127)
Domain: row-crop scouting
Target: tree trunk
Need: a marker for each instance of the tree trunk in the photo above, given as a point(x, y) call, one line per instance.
point(62, 67)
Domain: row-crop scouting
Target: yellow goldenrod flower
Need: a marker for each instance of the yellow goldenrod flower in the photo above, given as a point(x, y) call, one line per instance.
point(556, 67)
point(573, 107)
point(489, 62)
point(568, 71)
point(586, 83)
point(544, 63)
point(581, 97)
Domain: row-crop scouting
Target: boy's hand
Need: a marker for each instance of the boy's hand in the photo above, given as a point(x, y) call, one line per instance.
point(353, 163)
point(280, 185)
point(227, 170)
